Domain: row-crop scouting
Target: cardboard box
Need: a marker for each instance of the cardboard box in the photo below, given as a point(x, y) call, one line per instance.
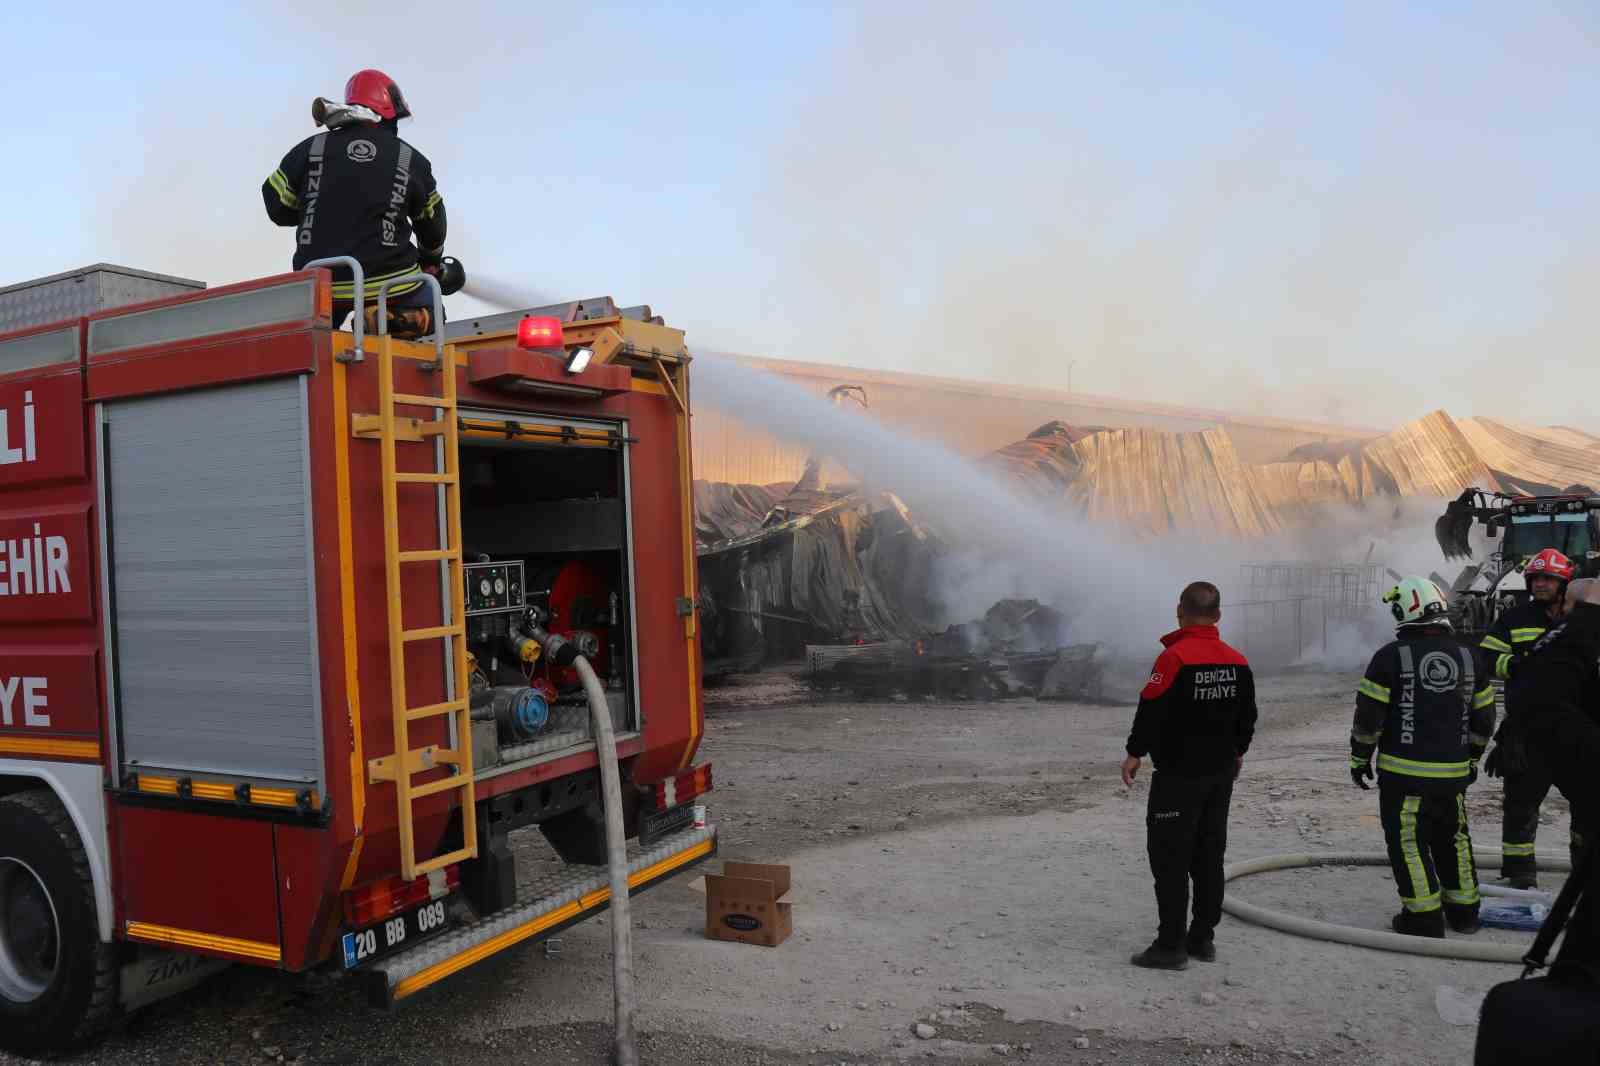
point(745, 904)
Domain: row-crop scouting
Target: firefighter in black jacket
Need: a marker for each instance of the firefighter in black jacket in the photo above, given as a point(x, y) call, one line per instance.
point(1560, 721)
point(1426, 706)
point(357, 189)
point(1196, 718)
point(1552, 1019)
point(1527, 781)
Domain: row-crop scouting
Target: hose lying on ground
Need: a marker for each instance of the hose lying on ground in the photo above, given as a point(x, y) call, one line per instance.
point(1366, 938)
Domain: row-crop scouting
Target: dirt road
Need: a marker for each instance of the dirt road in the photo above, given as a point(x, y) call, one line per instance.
point(977, 868)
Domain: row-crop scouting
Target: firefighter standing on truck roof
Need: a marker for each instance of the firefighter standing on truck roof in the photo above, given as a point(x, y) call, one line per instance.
point(357, 189)
point(1196, 718)
point(1526, 777)
point(1426, 706)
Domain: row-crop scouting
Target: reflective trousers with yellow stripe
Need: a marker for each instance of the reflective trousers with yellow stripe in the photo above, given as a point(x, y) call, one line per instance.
point(1430, 846)
point(417, 297)
point(1525, 790)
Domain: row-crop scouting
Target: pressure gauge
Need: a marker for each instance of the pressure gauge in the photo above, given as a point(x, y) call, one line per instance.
point(499, 586)
point(484, 587)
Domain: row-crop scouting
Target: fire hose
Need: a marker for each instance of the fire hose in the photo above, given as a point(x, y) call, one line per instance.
point(563, 652)
point(1366, 938)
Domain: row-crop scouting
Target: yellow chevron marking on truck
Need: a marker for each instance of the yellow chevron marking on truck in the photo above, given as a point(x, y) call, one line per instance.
point(189, 938)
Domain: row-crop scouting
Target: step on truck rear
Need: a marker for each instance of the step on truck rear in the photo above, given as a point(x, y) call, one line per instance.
point(269, 692)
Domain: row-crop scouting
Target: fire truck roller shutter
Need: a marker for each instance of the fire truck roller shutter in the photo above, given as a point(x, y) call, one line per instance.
point(208, 501)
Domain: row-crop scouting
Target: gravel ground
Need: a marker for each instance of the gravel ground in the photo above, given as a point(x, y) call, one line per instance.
point(974, 868)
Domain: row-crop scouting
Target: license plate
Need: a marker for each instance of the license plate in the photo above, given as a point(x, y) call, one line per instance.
point(657, 824)
point(390, 936)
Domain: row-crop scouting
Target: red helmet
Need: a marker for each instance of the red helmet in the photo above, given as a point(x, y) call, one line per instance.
point(1549, 563)
point(375, 89)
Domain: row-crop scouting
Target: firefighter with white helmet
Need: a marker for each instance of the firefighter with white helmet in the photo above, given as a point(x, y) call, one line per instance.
point(1527, 779)
point(1426, 708)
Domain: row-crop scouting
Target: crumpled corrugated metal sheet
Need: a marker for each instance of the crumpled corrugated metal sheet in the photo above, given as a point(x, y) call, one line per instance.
point(723, 512)
point(814, 565)
point(1429, 457)
point(1155, 482)
point(1044, 460)
point(1534, 459)
point(1148, 480)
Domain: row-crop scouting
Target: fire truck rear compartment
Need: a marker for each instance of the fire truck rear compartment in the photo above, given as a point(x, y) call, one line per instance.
point(544, 530)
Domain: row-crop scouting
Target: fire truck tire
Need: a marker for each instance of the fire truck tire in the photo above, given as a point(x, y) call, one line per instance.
point(44, 877)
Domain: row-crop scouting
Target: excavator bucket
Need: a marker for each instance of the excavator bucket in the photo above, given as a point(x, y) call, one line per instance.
point(1452, 528)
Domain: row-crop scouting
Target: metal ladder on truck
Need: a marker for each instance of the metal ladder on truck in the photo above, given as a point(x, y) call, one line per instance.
point(388, 429)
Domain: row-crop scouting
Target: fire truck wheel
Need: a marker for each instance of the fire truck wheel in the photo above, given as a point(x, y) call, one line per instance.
point(57, 980)
point(579, 836)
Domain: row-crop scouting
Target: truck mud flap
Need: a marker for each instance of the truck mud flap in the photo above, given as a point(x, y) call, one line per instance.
point(548, 906)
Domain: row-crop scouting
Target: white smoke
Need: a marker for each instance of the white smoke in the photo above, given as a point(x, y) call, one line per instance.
point(1114, 588)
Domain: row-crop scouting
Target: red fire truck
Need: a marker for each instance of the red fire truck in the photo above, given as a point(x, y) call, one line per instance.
point(271, 688)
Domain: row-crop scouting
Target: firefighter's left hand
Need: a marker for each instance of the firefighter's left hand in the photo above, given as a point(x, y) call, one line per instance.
point(1361, 775)
point(1130, 767)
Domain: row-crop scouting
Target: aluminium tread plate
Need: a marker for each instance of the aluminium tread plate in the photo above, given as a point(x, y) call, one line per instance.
point(544, 906)
point(74, 293)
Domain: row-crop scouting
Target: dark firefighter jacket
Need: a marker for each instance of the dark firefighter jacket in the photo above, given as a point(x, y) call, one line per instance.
point(1197, 713)
point(1426, 705)
point(1507, 643)
point(359, 191)
point(1559, 708)
point(1513, 634)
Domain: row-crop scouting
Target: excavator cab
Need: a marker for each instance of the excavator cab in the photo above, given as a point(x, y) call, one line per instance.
point(1523, 525)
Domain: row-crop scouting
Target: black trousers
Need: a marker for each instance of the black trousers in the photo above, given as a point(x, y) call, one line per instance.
point(1525, 790)
point(1186, 827)
point(1430, 845)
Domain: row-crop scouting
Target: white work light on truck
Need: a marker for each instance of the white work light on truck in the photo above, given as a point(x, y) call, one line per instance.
point(579, 359)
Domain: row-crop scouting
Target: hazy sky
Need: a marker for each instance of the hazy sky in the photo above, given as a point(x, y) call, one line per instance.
point(1346, 210)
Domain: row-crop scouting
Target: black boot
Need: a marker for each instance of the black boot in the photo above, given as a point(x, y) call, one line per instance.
point(1156, 957)
point(1202, 949)
point(1428, 923)
point(1462, 917)
point(1520, 872)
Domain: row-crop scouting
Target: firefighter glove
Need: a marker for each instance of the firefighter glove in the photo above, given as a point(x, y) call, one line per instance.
point(1361, 773)
point(1491, 765)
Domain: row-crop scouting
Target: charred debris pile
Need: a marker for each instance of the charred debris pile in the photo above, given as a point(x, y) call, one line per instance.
point(846, 581)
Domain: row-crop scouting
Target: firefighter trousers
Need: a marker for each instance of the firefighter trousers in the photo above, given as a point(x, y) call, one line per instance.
point(421, 296)
point(1430, 845)
point(1186, 827)
point(1525, 791)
